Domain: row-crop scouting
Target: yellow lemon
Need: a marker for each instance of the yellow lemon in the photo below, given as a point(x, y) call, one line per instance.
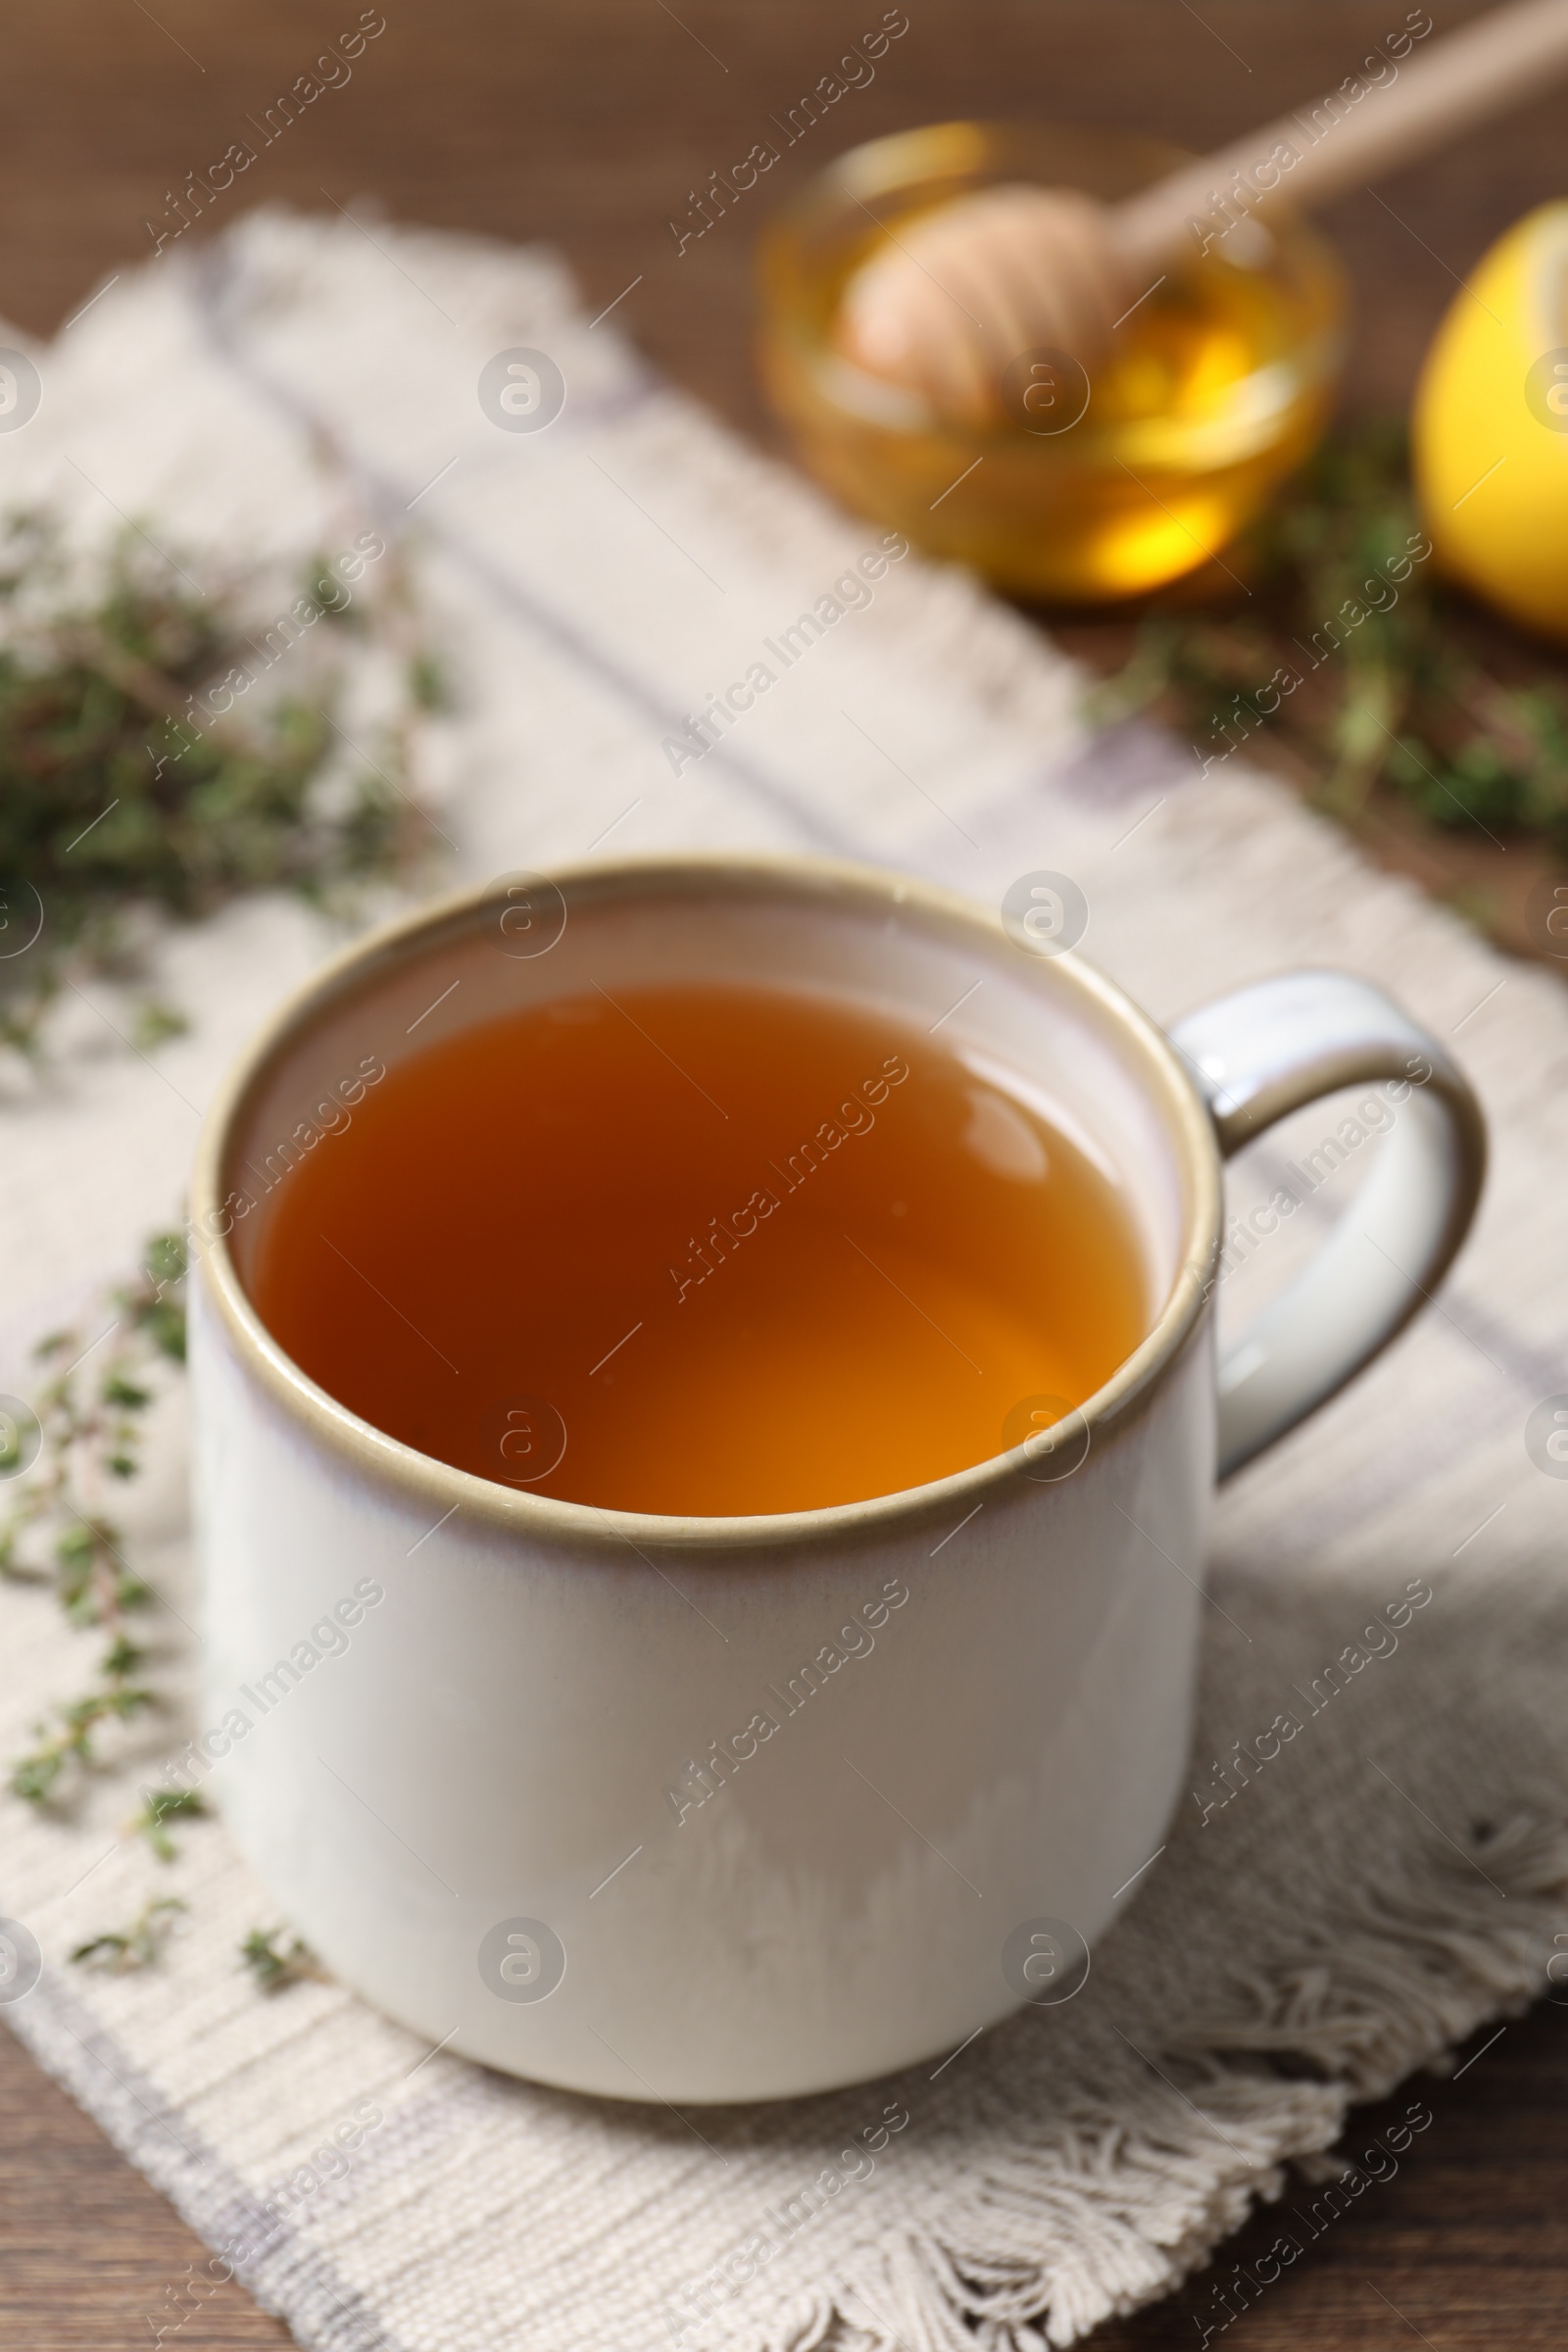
point(1490, 426)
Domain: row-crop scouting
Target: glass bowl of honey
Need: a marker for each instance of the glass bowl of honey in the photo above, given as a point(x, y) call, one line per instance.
point(1217, 384)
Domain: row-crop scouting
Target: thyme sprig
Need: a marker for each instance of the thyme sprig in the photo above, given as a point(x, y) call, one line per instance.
point(135, 783)
point(89, 1429)
point(137, 1946)
point(274, 1967)
point(1348, 654)
point(115, 1697)
point(163, 750)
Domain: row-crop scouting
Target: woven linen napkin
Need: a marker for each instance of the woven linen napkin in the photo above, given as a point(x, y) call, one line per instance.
point(1336, 1903)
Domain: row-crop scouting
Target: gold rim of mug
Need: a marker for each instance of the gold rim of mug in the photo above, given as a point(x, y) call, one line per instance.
point(358, 969)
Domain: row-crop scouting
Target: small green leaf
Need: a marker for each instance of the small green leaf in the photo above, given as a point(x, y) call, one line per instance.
point(153, 1023)
point(35, 1777)
point(274, 1968)
point(140, 1945)
point(161, 1805)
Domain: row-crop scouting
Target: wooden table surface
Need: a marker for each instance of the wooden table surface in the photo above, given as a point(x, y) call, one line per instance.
point(587, 122)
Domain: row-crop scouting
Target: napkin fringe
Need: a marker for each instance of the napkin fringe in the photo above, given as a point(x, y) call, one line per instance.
point(1091, 2222)
point(1392, 1979)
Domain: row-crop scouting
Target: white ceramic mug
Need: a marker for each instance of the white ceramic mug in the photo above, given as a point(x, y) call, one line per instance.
point(719, 1809)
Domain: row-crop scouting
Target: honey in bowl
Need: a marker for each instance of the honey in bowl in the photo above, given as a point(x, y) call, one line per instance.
point(703, 1252)
point(1218, 382)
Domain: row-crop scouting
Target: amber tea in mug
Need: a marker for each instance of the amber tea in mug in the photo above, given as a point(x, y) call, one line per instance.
point(702, 1250)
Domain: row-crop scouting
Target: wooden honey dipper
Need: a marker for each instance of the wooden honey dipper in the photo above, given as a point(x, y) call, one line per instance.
point(1013, 269)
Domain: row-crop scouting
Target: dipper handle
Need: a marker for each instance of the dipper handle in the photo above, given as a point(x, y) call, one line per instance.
point(1318, 151)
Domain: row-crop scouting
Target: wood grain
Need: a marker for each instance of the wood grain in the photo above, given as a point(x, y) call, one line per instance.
point(587, 122)
point(89, 2251)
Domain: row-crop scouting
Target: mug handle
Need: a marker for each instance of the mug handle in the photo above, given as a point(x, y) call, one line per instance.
point(1269, 1050)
